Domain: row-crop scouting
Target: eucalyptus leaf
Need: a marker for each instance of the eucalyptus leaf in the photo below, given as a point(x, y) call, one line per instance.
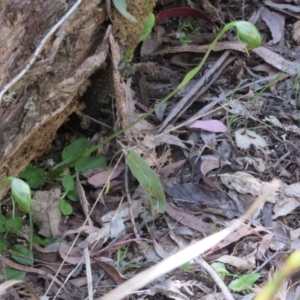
point(121, 7)
point(148, 180)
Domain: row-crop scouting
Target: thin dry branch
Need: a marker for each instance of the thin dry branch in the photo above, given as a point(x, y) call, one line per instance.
point(215, 276)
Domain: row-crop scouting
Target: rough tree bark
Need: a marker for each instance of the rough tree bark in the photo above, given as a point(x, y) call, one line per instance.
point(36, 106)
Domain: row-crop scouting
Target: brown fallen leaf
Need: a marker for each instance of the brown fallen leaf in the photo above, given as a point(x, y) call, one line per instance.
point(101, 178)
point(161, 251)
point(215, 200)
point(170, 168)
point(277, 61)
point(269, 56)
point(275, 23)
point(46, 212)
point(239, 233)
point(111, 271)
point(296, 32)
point(189, 220)
point(43, 273)
point(264, 246)
point(209, 165)
point(241, 263)
point(278, 6)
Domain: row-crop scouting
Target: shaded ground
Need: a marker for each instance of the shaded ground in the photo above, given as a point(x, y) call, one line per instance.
point(211, 171)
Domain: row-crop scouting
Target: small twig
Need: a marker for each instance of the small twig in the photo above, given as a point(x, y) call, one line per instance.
point(42, 273)
point(96, 285)
point(129, 204)
point(268, 260)
point(108, 7)
point(3, 268)
point(114, 245)
point(117, 210)
point(243, 10)
point(39, 49)
point(284, 156)
point(65, 4)
point(79, 113)
point(215, 277)
point(88, 273)
point(84, 202)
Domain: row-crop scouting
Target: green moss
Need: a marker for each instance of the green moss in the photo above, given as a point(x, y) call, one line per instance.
point(128, 32)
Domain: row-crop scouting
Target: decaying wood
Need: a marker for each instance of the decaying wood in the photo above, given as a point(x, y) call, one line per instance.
point(37, 105)
point(55, 65)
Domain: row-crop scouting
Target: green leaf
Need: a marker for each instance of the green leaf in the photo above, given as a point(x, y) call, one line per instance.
point(68, 182)
point(3, 246)
point(65, 207)
point(87, 163)
point(2, 223)
point(54, 173)
point(43, 242)
point(75, 150)
point(185, 267)
point(72, 152)
point(73, 195)
point(35, 177)
point(129, 70)
point(14, 225)
point(220, 269)
point(244, 282)
point(148, 180)
point(22, 255)
point(148, 28)
point(13, 274)
point(121, 6)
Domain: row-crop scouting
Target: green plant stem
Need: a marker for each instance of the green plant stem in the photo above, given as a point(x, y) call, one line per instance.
point(31, 236)
point(235, 118)
point(13, 208)
point(291, 265)
point(187, 78)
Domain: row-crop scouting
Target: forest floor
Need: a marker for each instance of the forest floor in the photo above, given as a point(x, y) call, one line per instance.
point(215, 147)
